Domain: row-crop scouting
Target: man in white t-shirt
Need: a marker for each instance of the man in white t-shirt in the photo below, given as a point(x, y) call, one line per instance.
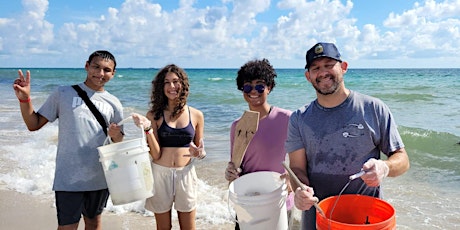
point(79, 182)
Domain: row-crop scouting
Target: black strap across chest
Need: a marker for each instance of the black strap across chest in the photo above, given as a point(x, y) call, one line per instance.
point(91, 107)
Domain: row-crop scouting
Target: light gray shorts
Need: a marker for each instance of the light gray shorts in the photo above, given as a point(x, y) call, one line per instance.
point(173, 185)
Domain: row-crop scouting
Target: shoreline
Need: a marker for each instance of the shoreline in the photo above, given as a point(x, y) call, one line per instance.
point(22, 211)
point(27, 211)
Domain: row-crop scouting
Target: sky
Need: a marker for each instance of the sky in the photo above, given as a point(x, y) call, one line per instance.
point(228, 33)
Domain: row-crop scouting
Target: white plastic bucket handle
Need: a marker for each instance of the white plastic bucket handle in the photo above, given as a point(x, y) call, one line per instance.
point(108, 140)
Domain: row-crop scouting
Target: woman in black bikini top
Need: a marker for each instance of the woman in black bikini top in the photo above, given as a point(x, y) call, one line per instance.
point(175, 137)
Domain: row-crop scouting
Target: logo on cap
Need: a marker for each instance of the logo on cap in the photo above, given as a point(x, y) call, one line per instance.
point(319, 49)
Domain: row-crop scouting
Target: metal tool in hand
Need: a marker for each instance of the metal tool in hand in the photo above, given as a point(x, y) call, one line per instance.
point(302, 186)
point(357, 175)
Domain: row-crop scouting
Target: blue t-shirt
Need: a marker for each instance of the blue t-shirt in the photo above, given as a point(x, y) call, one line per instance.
point(77, 160)
point(339, 140)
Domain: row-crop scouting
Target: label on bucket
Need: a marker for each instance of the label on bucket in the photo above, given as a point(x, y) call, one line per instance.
point(113, 165)
point(148, 178)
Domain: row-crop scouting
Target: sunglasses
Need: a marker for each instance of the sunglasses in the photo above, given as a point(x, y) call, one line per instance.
point(248, 88)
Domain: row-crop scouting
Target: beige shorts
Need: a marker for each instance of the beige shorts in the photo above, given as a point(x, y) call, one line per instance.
point(173, 185)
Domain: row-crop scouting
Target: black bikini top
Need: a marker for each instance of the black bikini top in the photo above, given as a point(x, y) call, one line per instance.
point(176, 137)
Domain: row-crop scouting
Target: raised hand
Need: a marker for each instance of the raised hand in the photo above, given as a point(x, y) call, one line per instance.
point(21, 86)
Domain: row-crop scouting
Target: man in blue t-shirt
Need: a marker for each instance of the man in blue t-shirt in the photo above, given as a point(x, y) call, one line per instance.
point(339, 134)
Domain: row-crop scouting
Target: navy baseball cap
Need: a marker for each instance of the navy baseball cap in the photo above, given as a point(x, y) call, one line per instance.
point(322, 49)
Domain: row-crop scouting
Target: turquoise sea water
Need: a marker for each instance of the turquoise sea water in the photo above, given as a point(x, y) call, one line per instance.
point(425, 104)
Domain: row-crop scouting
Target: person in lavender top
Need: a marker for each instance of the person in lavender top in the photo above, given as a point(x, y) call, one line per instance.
point(265, 152)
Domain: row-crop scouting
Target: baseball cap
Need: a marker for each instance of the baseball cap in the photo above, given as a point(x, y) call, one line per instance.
point(322, 49)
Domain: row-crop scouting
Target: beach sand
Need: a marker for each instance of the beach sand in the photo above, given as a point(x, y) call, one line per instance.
point(25, 211)
point(21, 211)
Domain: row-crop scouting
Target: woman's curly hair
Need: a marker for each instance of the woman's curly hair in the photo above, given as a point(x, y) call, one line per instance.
point(158, 99)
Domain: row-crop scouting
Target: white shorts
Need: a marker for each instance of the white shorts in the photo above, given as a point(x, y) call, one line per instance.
point(173, 185)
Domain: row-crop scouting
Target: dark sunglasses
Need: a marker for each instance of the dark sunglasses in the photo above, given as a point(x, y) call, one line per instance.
point(248, 88)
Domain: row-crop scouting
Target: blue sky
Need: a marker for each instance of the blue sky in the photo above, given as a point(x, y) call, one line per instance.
point(227, 33)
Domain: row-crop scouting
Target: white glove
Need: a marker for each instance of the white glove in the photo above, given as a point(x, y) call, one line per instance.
point(376, 170)
point(141, 121)
point(304, 198)
point(199, 151)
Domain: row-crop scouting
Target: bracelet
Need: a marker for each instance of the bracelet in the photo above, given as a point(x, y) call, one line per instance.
point(24, 101)
point(150, 131)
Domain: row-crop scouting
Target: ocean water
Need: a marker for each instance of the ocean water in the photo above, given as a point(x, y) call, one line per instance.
point(424, 102)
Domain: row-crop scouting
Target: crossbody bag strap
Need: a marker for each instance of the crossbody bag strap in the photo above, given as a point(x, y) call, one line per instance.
point(91, 107)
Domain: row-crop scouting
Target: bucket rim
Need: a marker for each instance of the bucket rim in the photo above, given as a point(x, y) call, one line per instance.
point(327, 219)
point(114, 148)
point(232, 184)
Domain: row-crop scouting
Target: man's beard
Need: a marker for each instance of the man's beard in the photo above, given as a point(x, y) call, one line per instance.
point(330, 90)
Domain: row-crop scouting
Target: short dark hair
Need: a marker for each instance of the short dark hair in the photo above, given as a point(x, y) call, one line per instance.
point(103, 54)
point(254, 70)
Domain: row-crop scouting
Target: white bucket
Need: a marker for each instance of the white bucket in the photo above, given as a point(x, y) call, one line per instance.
point(127, 169)
point(259, 200)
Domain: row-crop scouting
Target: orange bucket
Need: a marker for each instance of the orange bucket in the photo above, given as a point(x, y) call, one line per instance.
point(354, 211)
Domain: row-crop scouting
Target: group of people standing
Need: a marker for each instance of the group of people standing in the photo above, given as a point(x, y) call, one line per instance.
point(338, 134)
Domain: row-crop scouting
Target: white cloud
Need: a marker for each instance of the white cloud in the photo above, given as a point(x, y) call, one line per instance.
point(29, 33)
point(143, 34)
point(429, 30)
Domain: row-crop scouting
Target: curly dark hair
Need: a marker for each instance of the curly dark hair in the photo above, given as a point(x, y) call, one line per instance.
point(158, 100)
point(254, 70)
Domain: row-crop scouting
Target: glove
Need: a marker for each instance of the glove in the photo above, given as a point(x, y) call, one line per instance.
point(304, 198)
point(141, 121)
point(376, 170)
point(199, 151)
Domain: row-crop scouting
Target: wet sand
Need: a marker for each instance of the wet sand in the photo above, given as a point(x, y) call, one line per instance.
point(21, 211)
